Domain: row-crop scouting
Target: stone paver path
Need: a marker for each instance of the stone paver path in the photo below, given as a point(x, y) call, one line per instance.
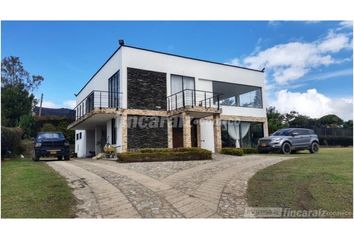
point(190, 189)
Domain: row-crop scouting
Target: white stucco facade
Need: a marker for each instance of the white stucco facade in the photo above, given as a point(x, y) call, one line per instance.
point(203, 72)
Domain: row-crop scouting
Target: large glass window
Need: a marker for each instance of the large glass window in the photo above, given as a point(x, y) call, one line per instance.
point(113, 91)
point(238, 95)
point(241, 134)
point(179, 83)
point(187, 97)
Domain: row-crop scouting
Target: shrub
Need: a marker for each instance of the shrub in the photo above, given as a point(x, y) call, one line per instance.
point(336, 141)
point(249, 150)
point(164, 154)
point(232, 151)
point(11, 141)
point(152, 150)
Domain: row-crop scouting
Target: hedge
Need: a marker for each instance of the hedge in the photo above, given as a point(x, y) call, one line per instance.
point(11, 141)
point(336, 141)
point(238, 151)
point(232, 151)
point(249, 150)
point(165, 154)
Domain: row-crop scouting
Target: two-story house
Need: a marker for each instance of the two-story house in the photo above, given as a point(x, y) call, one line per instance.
point(142, 98)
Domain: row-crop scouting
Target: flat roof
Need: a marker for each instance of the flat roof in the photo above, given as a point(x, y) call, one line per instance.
point(165, 53)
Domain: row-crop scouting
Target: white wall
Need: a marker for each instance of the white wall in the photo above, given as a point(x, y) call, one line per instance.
point(100, 80)
point(203, 72)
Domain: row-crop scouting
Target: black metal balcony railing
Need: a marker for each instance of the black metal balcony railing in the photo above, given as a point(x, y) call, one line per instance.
point(193, 98)
point(98, 99)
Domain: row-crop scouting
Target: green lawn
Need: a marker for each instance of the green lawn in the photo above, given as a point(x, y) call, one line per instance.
point(309, 182)
point(34, 190)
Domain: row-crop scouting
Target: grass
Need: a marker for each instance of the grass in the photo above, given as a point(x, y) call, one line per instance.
point(34, 190)
point(309, 182)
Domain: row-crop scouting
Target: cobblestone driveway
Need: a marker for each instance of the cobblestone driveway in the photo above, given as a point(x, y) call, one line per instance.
point(190, 189)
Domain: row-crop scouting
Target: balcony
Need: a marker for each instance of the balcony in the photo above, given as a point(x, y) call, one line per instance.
point(98, 100)
point(194, 101)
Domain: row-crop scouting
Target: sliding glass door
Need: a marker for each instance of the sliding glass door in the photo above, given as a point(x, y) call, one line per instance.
point(179, 83)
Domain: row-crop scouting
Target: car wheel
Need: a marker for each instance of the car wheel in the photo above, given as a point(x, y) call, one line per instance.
point(60, 158)
point(286, 148)
point(314, 147)
point(67, 157)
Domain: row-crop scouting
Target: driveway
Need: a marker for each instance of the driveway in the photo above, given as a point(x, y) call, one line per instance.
point(184, 189)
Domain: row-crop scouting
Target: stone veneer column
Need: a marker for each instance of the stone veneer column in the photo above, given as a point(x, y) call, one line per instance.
point(124, 124)
point(169, 132)
point(187, 140)
point(217, 132)
point(265, 129)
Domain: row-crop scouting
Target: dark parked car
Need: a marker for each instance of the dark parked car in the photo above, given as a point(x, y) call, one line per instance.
point(48, 144)
point(289, 140)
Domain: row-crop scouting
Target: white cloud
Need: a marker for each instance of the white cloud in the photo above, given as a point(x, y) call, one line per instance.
point(338, 73)
point(313, 104)
point(334, 42)
point(48, 104)
point(290, 61)
point(346, 24)
point(70, 104)
point(235, 61)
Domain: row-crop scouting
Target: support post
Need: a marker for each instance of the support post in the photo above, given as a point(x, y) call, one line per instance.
point(265, 129)
point(124, 119)
point(217, 132)
point(187, 139)
point(169, 132)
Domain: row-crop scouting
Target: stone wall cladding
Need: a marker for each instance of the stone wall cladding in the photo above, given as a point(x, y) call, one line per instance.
point(147, 136)
point(146, 89)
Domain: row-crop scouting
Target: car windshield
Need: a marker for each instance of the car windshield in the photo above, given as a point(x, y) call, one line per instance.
point(282, 132)
point(50, 135)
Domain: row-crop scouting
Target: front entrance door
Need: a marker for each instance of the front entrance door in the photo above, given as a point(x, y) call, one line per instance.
point(177, 132)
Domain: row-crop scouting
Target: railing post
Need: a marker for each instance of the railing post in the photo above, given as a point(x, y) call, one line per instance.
point(204, 99)
point(183, 100)
point(176, 101)
point(218, 99)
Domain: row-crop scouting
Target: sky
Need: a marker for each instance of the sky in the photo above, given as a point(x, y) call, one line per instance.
point(309, 64)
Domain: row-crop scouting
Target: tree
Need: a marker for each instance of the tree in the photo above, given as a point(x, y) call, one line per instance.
point(15, 102)
point(348, 124)
point(48, 127)
point(27, 123)
point(13, 74)
point(294, 119)
point(275, 120)
point(331, 120)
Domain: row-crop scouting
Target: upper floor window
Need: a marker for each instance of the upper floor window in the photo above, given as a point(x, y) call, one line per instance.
point(179, 83)
point(113, 90)
point(238, 95)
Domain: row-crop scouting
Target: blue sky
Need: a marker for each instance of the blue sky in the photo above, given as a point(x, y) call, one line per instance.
point(309, 65)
